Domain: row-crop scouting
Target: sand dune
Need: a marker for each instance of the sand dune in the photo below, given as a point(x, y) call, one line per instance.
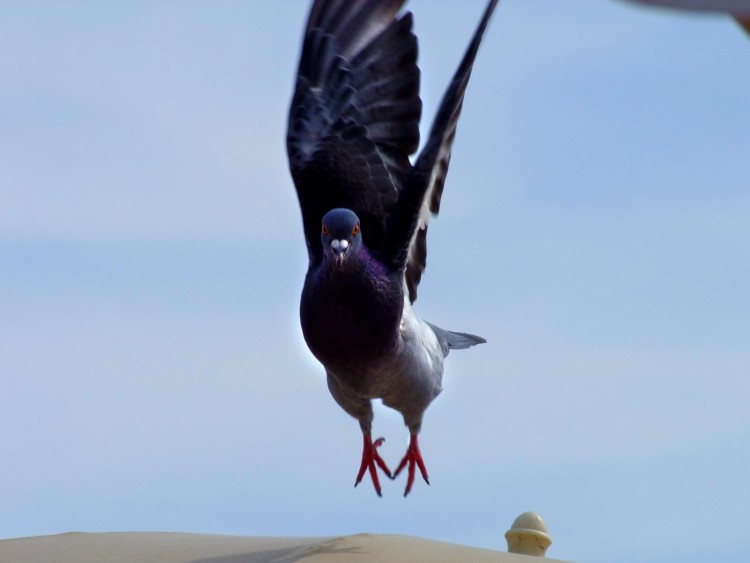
point(160, 547)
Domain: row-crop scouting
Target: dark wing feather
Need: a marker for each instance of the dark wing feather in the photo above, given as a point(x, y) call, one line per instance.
point(407, 230)
point(354, 116)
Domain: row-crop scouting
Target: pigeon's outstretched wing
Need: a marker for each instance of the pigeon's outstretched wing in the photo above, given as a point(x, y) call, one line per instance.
point(354, 116)
point(407, 230)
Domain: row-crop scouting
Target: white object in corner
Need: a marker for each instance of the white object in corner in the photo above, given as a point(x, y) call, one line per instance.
point(528, 535)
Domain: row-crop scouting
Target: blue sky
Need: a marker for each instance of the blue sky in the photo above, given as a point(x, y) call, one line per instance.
point(594, 229)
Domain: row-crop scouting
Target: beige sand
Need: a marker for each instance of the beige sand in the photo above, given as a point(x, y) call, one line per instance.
point(153, 547)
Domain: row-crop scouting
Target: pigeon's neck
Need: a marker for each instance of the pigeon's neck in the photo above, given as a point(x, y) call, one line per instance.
point(358, 262)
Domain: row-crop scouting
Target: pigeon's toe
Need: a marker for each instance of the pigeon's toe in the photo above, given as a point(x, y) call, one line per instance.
point(371, 458)
point(413, 458)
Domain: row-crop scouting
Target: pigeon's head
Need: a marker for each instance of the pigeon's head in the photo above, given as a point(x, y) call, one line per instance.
point(340, 234)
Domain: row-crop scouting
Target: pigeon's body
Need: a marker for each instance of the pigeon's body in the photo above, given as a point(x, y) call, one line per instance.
point(353, 122)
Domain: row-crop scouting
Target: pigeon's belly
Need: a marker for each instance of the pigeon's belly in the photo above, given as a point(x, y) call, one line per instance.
point(407, 377)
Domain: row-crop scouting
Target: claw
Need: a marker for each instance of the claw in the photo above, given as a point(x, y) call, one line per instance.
point(414, 458)
point(370, 458)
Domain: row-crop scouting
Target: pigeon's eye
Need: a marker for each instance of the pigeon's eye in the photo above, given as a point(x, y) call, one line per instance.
point(325, 230)
point(355, 230)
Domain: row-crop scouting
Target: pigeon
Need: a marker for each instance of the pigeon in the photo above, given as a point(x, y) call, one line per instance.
point(353, 123)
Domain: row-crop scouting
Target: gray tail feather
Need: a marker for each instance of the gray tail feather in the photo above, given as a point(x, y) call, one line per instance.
point(456, 340)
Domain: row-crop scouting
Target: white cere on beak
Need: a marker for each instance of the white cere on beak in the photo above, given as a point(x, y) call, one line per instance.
point(339, 244)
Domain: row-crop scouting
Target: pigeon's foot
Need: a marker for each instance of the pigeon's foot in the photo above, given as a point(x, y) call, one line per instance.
point(413, 457)
point(370, 457)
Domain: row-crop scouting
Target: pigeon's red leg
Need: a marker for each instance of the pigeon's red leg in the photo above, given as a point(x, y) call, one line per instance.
point(413, 458)
point(370, 457)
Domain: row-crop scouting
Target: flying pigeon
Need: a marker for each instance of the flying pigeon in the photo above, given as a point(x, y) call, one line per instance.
point(353, 122)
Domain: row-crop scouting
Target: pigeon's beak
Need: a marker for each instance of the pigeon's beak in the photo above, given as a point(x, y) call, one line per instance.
point(339, 248)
